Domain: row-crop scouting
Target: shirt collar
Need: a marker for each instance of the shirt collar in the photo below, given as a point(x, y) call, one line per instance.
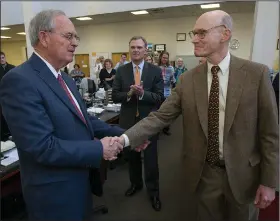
point(141, 65)
point(224, 64)
point(55, 73)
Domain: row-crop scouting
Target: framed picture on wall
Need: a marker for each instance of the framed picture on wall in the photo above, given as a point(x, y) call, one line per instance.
point(160, 47)
point(181, 37)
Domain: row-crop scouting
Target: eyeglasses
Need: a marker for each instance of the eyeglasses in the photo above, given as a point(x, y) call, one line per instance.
point(202, 33)
point(69, 36)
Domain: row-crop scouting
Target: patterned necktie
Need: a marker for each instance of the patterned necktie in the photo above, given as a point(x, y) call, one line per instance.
point(137, 75)
point(212, 156)
point(63, 85)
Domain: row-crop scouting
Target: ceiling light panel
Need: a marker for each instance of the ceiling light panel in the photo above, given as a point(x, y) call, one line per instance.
point(84, 18)
point(143, 12)
point(210, 6)
point(5, 28)
point(6, 37)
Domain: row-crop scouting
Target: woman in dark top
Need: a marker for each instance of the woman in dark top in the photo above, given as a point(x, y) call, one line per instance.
point(107, 74)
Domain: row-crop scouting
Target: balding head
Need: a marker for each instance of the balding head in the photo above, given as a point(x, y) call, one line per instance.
point(215, 18)
point(211, 34)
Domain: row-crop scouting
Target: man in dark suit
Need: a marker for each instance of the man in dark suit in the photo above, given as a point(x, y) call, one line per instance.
point(230, 138)
point(139, 87)
point(49, 123)
point(5, 66)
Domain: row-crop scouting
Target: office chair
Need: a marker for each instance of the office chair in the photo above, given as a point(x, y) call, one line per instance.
point(91, 86)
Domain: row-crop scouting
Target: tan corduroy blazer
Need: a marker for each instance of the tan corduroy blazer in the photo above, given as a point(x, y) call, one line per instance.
point(250, 145)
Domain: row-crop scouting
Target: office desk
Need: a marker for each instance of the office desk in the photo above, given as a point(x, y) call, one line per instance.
point(12, 203)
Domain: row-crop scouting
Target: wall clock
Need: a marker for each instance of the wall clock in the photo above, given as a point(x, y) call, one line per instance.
point(234, 44)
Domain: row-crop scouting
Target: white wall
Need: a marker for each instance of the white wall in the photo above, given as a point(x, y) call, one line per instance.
point(114, 37)
point(11, 12)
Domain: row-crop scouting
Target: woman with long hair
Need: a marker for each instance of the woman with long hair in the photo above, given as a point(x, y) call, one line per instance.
point(107, 74)
point(168, 78)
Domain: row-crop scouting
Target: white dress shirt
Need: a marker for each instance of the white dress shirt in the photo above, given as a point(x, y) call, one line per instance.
point(223, 75)
point(55, 73)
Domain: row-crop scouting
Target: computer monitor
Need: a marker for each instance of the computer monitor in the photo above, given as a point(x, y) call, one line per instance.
point(91, 86)
point(5, 132)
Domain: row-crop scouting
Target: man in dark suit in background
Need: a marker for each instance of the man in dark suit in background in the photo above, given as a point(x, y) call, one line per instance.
point(139, 87)
point(49, 123)
point(5, 66)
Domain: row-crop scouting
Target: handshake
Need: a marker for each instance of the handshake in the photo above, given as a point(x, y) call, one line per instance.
point(112, 146)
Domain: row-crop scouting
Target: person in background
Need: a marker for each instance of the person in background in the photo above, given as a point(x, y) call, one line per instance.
point(76, 72)
point(202, 60)
point(169, 80)
point(122, 61)
point(179, 69)
point(97, 68)
point(149, 59)
point(65, 69)
point(155, 58)
point(5, 66)
point(230, 151)
point(53, 133)
point(107, 74)
point(101, 59)
point(138, 100)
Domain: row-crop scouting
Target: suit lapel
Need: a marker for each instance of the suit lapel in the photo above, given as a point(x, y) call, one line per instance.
point(47, 76)
point(78, 98)
point(130, 74)
point(145, 73)
point(235, 87)
point(201, 96)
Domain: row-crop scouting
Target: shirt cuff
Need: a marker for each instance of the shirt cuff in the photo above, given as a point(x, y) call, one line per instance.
point(126, 140)
point(140, 98)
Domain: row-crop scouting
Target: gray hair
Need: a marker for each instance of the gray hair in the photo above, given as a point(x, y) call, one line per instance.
point(137, 38)
point(227, 22)
point(43, 21)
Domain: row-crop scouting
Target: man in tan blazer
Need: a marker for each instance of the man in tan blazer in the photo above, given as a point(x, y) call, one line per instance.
point(230, 137)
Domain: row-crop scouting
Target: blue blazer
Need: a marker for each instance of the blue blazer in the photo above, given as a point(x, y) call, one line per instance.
point(56, 148)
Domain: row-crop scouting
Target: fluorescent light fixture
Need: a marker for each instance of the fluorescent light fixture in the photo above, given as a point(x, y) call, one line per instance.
point(210, 6)
point(21, 33)
point(143, 12)
point(5, 37)
point(5, 28)
point(84, 18)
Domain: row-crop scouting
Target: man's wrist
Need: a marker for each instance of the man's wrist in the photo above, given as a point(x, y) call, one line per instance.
point(126, 140)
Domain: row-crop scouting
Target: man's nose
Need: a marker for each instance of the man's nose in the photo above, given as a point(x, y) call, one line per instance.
point(195, 39)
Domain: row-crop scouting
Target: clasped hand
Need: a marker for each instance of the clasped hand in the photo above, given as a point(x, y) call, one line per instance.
point(137, 89)
point(112, 146)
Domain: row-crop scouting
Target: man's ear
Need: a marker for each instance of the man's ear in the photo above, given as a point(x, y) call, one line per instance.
point(43, 38)
point(226, 35)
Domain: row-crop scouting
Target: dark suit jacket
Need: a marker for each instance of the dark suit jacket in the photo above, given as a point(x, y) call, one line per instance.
point(6, 70)
point(251, 139)
point(275, 85)
point(56, 149)
point(153, 95)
